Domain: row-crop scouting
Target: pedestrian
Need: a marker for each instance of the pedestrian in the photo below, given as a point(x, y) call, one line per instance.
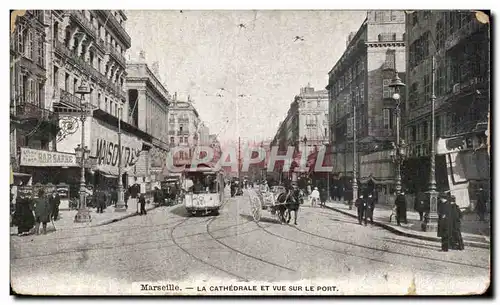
point(401, 208)
point(314, 196)
point(142, 202)
point(42, 212)
point(457, 242)
point(323, 196)
point(370, 206)
point(293, 203)
point(481, 204)
point(114, 197)
point(444, 224)
point(54, 202)
point(134, 191)
point(157, 197)
point(309, 189)
point(23, 215)
point(101, 201)
point(126, 197)
point(361, 206)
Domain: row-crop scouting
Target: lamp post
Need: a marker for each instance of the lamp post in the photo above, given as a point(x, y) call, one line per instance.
point(433, 194)
point(354, 159)
point(120, 204)
point(82, 153)
point(396, 83)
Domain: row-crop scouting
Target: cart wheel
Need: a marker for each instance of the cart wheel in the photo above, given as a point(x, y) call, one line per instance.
point(255, 202)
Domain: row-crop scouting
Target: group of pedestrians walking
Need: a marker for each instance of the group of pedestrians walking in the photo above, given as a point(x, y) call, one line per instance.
point(449, 224)
point(30, 212)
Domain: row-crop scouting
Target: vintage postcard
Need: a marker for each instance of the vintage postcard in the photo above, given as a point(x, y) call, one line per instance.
point(250, 152)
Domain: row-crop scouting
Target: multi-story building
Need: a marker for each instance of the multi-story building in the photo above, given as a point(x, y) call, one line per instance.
point(34, 126)
point(203, 135)
point(183, 128)
point(460, 46)
point(313, 116)
point(87, 49)
point(148, 104)
point(216, 146)
point(359, 80)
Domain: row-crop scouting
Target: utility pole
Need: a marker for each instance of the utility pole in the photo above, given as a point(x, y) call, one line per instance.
point(239, 159)
point(120, 204)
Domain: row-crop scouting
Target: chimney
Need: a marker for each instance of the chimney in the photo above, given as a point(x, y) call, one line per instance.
point(155, 68)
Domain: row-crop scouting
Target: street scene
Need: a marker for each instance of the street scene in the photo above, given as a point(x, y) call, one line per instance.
point(184, 152)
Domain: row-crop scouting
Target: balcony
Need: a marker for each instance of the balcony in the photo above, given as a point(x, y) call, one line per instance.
point(90, 70)
point(183, 133)
point(114, 52)
point(465, 31)
point(183, 120)
point(34, 118)
point(84, 22)
point(114, 24)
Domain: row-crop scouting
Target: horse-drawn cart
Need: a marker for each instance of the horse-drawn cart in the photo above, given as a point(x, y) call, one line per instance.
point(273, 200)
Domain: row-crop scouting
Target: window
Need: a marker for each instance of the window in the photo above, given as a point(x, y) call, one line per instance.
point(361, 93)
point(437, 126)
point(387, 118)
point(425, 132)
point(180, 128)
point(20, 38)
point(387, 37)
point(186, 139)
point(75, 85)
point(28, 45)
point(66, 82)
point(99, 64)
point(440, 35)
point(55, 77)
point(413, 133)
point(40, 51)
point(41, 93)
point(395, 16)
point(379, 16)
point(99, 100)
point(106, 104)
point(172, 141)
point(390, 59)
point(181, 140)
point(427, 88)
point(181, 155)
point(388, 91)
point(350, 127)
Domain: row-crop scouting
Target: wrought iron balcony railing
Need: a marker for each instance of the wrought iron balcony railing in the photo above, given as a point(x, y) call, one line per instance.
point(84, 22)
point(114, 52)
point(28, 111)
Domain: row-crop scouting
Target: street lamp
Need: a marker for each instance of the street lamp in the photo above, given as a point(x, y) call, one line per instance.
point(120, 204)
point(82, 153)
point(396, 83)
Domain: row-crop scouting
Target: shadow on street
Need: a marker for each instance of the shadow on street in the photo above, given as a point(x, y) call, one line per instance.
point(262, 219)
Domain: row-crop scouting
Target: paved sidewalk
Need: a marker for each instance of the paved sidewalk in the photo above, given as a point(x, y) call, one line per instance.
point(475, 233)
point(66, 218)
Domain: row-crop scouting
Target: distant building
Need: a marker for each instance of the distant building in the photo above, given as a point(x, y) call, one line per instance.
point(183, 129)
point(360, 78)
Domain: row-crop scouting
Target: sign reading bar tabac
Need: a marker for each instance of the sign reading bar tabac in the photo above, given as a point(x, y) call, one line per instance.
point(43, 158)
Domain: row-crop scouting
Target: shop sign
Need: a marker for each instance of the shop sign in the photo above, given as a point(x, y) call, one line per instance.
point(44, 158)
point(105, 149)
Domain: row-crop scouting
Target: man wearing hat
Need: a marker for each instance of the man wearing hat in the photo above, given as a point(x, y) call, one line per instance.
point(314, 196)
point(361, 206)
point(481, 204)
point(444, 223)
point(401, 208)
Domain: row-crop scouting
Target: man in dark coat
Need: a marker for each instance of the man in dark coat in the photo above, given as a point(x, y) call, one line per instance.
point(23, 216)
point(444, 224)
point(54, 202)
point(370, 206)
point(457, 243)
point(101, 201)
point(42, 212)
point(142, 201)
point(158, 196)
point(361, 207)
point(481, 204)
point(293, 202)
point(323, 195)
point(400, 208)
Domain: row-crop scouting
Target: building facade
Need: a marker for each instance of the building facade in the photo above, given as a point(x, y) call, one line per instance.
point(183, 129)
point(313, 116)
point(148, 102)
point(87, 49)
point(460, 46)
point(34, 125)
point(358, 86)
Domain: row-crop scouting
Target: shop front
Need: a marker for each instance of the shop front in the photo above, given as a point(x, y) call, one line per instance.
point(101, 138)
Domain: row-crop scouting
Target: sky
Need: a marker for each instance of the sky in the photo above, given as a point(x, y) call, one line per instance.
point(259, 65)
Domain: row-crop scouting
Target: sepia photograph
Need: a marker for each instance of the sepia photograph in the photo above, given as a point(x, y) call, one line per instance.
point(195, 152)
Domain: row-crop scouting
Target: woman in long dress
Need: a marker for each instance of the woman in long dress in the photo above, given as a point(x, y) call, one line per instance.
point(23, 216)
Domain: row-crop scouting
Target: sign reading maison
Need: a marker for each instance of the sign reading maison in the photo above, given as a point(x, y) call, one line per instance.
point(107, 154)
point(43, 158)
